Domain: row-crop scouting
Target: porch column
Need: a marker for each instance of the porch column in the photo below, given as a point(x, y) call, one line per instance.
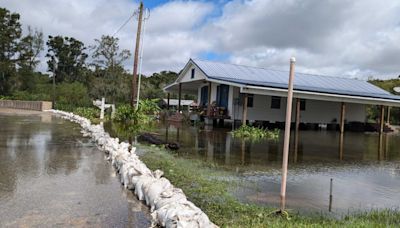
point(342, 116)
point(296, 134)
point(209, 100)
point(244, 115)
point(297, 115)
point(179, 97)
point(168, 95)
point(388, 115)
point(382, 119)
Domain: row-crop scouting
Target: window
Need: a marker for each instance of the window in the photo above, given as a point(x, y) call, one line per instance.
point(250, 100)
point(275, 102)
point(302, 104)
point(192, 75)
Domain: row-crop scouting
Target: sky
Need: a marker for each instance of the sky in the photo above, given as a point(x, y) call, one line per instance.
point(345, 38)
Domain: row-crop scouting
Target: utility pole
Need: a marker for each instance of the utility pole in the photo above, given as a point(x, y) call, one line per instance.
point(136, 57)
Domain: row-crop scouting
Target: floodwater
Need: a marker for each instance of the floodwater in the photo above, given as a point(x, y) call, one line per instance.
point(50, 176)
point(365, 168)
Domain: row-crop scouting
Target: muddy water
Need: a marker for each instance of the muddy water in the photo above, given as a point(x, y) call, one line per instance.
point(364, 167)
point(51, 176)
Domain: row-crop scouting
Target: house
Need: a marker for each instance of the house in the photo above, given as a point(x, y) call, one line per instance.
point(235, 92)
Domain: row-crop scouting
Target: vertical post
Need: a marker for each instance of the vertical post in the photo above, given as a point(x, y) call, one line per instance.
point(342, 117)
point(382, 119)
point(54, 84)
point(388, 115)
point(168, 95)
point(287, 133)
point(244, 114)
point(136, 57)
point(103, 101)
point(179, 97)
point(209, 100)
point(296, 135)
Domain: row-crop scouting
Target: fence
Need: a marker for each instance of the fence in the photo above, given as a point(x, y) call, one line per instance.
point(29, 105)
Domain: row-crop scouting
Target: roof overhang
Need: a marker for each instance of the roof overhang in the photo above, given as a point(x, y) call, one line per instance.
point(319, 96)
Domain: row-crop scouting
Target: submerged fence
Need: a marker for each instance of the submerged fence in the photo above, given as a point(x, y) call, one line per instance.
point(29, 105)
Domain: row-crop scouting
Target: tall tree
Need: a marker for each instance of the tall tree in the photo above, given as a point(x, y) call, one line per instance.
point(67, 55)
point(10, 33)
point(110, 79)
point(30, 47)
point(106, 53)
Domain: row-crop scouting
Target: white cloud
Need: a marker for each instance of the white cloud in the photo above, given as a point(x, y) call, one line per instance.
point(347, 38)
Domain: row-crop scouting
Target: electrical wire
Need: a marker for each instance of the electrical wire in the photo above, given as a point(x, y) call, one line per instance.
point(126, 22)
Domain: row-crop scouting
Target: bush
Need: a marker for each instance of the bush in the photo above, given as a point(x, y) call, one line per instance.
point(255, 133)
point(72, 94)
point(90, 113)
point(126, 113)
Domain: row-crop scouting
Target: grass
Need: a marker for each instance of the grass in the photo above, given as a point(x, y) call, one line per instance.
point(254, 133)
point(212, 196)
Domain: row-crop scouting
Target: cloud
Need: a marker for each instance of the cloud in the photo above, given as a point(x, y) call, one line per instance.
point(345, 38)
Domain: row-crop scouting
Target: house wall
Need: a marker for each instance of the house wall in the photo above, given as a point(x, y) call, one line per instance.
point(198, 74)
point(316, 111)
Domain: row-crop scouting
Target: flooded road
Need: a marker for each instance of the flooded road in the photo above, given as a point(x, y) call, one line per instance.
point(50, 176)
point(364, 167)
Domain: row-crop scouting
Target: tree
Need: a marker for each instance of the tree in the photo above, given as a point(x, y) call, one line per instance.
point(110, 79)
point(69, 57)
point(10, 33)
point(30, 47)
point(106, 53)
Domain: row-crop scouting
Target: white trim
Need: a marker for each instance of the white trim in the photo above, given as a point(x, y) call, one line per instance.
point(319, 96)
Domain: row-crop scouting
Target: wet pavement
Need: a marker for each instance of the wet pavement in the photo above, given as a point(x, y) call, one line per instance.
point(365, 168)
point(50, 176)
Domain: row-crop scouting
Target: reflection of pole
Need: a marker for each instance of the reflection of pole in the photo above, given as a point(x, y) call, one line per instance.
point(380, 147)
point(243, 150)
point(287, 133)
point(330, 195)
point(166, 134)
point(341, 140)
point(388, 115)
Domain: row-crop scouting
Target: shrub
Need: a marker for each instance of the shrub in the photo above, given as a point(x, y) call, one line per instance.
point(126, 113)
point(90, 113)
point(73, 94)
point(255, 133)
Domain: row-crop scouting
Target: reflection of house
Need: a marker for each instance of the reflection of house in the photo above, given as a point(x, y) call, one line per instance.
point(188, 105)
point(319, 99)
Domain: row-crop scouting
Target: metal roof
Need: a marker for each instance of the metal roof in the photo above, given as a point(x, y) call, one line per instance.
point(256, 76)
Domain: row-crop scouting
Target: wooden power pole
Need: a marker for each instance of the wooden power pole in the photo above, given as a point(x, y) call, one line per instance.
point(136, 57)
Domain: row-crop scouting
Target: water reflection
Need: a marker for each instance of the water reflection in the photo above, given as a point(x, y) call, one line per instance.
point(50, 175)
point(365, 167)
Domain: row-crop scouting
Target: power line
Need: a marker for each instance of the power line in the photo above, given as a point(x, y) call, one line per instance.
point(126, 22)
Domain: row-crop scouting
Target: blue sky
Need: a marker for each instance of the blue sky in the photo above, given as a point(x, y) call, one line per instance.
point(347, 38)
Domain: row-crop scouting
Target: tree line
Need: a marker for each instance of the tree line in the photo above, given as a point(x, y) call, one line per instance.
point(81, 72)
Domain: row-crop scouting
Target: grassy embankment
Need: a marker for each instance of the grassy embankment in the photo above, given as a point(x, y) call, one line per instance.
point(212, 196)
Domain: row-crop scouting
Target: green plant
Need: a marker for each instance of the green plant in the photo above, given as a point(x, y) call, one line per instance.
point(126, 113)
point(149, 106)
point(90, 113)
point(255, 133)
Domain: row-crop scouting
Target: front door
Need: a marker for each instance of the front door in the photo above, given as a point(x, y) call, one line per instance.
point(223, 96)
point(204, 96)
